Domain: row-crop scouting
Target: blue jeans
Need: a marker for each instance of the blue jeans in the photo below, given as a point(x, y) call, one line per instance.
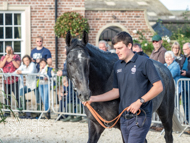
point(131, 132)
point(44, 93)
point(36, 92)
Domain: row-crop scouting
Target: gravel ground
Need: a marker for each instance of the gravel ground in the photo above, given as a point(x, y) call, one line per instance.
point(49, 131)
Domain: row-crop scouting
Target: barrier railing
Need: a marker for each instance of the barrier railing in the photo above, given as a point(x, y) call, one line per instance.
point(64, 99)
point(17, 89)
point(182, 102)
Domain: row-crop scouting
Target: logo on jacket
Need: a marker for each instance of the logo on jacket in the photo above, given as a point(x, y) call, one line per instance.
point(133, 70)
point(119, 70)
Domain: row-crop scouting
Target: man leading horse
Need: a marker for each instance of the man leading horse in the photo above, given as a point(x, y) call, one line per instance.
point(136, 83)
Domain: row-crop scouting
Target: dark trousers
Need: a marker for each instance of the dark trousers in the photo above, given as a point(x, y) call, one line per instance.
point(8, 89)
point(131, 132)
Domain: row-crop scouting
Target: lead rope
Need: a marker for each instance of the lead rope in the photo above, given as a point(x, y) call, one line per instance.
point(100, 119)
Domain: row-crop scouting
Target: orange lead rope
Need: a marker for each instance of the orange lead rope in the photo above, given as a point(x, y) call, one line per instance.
point(100, 119)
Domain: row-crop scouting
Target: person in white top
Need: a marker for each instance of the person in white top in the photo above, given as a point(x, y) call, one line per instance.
point(27, 67)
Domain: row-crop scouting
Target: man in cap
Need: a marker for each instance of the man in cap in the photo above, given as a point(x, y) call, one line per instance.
point(159, 50)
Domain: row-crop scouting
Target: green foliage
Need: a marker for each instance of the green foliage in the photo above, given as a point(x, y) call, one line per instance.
point(73, 22)
point(2, 105)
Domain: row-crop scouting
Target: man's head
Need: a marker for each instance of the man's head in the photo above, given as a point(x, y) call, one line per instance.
point(186, 49)
point(39, 41)
point(137, 48)
point(123, 44)
point(157, 41)
point(103, 45)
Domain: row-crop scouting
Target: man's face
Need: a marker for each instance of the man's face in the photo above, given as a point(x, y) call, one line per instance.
point(186, 50)
point(157, 44)
point(122, 50)
point(39, 42)
point(102, 46)
point(136, 49)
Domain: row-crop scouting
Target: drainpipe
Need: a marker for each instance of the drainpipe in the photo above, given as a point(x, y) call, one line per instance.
point(56, 39)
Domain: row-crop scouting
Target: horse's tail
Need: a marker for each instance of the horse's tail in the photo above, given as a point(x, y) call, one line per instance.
point(177, 127)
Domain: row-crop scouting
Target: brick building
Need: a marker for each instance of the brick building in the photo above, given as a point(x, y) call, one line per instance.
point(23, 20)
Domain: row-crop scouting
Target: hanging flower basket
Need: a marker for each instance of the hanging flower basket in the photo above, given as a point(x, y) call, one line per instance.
point(73, 22)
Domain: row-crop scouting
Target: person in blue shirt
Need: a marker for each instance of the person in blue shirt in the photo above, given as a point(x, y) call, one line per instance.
point(185, 73)
point(36, 55)
point(140, 72)
point(172, 65)
point(40, 52)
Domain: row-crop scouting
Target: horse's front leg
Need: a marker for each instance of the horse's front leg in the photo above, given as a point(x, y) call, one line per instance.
point(94, 131)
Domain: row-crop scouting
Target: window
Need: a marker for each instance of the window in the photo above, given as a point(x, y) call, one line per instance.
point(109, 33)
point(11, 31)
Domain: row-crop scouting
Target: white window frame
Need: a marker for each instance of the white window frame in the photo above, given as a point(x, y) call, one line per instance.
point(13, 38)
point(25, 22)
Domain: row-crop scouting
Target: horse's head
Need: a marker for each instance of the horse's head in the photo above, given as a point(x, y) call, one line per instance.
point(78, 65)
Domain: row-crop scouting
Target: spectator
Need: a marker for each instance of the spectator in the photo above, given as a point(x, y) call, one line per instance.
point(10, 62)
point(185, 73)
point(36, 54)
point(66, 87)
point(179, 58)
point(172, 65)
point(137, 48)
point(69, 99)
point(27, 67)
point(103, 45)
point(43, 85)
point(159, 50)
point(40, 52)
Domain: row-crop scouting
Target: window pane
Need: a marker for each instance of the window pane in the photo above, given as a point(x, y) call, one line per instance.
point(17, 32)
point(8, 19)
point(1, 47)
point(9, 32)
point(1, 19)
point(8, 43)
point(17, 19)
point(1, 33)
point(17, 46)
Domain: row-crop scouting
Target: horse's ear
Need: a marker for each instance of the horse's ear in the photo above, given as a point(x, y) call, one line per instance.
point(85, 37)
point(68, 39)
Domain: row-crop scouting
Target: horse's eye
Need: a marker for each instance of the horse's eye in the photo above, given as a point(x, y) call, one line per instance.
point(70, 63)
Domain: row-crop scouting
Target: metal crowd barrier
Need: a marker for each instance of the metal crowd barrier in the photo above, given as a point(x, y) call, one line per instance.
point(182, 102)
point(11, 93)
point(64, 98)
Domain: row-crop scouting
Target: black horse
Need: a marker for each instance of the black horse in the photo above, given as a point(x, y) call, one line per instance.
point(91, 71)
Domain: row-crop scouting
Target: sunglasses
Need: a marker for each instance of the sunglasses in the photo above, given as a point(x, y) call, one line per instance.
point(38, 41)
point(155, 41)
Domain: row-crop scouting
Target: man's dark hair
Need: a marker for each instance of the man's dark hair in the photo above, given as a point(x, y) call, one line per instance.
point(43, 60)
point(26, 56)
point(122, 37)
point(137, 44)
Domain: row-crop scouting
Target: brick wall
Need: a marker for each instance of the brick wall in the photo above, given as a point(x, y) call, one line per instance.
point(131, 20)
point(43, 21)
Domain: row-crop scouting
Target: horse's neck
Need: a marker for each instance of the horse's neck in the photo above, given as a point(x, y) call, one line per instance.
point(101, 66)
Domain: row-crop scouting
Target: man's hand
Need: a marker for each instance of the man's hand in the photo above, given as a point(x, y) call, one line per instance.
point(19, 72)
point(59, 73)
point(45, 78)
point(183, 73)
point(135, 106)
point(33, 60)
